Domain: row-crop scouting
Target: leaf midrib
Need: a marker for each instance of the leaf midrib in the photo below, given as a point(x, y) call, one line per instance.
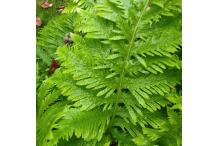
point(125, 64)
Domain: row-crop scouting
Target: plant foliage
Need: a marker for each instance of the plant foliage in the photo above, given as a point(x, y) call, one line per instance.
point(118, 80)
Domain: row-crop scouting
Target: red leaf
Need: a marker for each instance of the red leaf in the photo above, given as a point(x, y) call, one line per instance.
point(46, 5)
point(53, 67)
point(38, 21)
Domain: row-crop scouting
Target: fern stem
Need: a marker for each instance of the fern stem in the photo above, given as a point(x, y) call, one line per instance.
point(125, 64)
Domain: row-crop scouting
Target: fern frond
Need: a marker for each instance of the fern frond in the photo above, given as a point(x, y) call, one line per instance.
point(118, 78)
point(87, 125)
point(77, 5)
point(46, 123)
point(80, 142)
point(52, 36)
point(164, 134)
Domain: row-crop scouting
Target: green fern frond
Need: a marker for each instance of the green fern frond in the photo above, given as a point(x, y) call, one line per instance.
point(77, 5)
point(164, 133)
point(46, 123)
point(87, 125)
point(52, 36)
point(80, 142)
point(117, 81)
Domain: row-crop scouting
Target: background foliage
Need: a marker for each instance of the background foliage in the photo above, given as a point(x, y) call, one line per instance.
point(109, 73)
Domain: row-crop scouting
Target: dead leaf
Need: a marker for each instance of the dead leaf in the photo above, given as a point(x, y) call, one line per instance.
point(46, 5)
point(60, 8)
point(38, 21)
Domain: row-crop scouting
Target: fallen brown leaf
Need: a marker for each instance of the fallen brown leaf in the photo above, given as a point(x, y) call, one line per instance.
point(60, 8)
point(38, 21)
point(46, 5)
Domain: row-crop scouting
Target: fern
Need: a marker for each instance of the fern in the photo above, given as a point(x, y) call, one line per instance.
point(52, 36)
point(117, 81)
